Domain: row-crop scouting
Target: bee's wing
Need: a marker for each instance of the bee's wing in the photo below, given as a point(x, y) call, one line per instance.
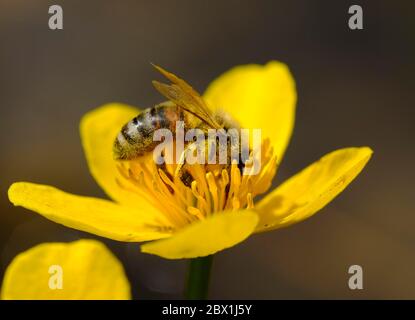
point(185, 96)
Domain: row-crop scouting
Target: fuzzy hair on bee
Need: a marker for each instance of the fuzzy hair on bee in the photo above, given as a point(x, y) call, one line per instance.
point(184, 104)
point(136, 137)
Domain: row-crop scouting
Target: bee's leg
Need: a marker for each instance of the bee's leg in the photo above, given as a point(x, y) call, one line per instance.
point(197, 152)
point(183, 172)
point(186, 177)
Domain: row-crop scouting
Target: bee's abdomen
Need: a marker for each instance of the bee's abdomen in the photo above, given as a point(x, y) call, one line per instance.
point(136, 137)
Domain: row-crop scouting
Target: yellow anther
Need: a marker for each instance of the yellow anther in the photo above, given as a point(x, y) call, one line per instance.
point(235, 203)
point(195, 212)
point(213, 188)
point(250, 201)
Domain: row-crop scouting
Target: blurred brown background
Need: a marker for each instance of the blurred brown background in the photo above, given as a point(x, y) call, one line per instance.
point(354, 87)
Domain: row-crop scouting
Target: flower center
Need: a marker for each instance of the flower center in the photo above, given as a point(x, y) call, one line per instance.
point(212, 189)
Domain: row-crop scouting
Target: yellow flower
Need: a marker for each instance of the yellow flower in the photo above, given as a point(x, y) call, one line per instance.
point(219, 210)
point(84, 269)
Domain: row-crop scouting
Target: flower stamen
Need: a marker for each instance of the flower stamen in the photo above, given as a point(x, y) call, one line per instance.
point(212, 189)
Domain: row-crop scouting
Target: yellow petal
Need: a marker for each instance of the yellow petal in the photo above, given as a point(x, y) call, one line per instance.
point(310, 190)
point(83, 269)
point(258, 97)
point(217, 232)
point(97, 216)
point(98, 131)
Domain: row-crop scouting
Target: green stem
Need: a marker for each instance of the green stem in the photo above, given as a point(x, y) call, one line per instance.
point(197, 285)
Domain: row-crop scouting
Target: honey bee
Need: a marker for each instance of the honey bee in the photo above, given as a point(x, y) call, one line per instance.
point(184, 104)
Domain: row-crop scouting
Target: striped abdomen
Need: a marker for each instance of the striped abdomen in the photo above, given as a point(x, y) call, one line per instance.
point(136, 137)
